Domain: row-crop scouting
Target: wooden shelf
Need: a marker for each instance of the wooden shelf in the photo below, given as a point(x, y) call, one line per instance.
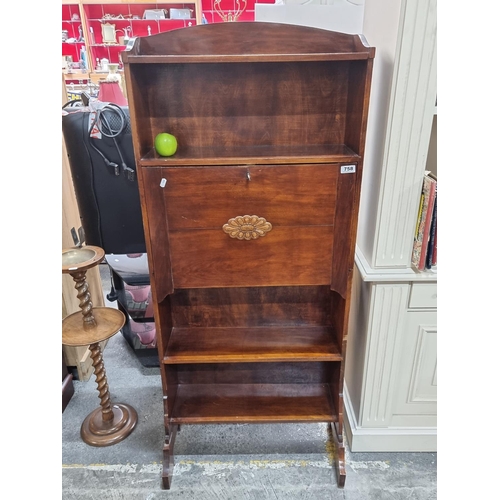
point(259, 155)
point(76, 75)
point(240, 403)
point(226, 345)
point(247, 42)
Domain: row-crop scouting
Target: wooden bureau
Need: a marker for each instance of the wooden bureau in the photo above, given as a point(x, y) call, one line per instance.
point(250, 227)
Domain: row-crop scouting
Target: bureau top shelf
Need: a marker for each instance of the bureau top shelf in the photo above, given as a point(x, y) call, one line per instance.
point(247, 155)
point(247, 42)
point(249, 93)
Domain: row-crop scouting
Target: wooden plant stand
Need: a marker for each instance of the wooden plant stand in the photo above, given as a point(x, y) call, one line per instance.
point(108, 424)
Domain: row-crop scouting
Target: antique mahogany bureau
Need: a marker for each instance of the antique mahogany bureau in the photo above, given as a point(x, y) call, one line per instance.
point(250, 226)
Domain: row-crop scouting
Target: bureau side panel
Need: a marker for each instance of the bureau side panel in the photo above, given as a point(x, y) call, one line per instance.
point(157, 233)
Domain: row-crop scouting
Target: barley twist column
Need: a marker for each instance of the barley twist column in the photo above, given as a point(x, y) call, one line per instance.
point(83, 295)
point(102, 382)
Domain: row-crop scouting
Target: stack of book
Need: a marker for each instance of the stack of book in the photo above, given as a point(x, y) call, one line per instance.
point(424, 255)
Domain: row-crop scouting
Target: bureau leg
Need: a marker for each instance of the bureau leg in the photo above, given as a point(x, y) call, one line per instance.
point(168, 455)
point(339, 458)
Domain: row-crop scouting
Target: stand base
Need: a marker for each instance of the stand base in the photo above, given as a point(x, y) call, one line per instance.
point(96, 432)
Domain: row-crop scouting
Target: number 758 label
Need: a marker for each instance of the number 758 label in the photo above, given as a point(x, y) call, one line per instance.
point(347, 169)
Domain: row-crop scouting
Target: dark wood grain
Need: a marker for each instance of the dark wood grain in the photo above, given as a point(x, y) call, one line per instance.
point(339, 455)
point(303, 106)
point(233, 154)
point(360, 75)
point(168, 453)
point(210, 258)
point(108, 321)
point(252, 307)
point(240, 403)
point(343, 257)
point(244, 39)
point(284, 195)
point(162, 312)
point(157, 235)
point(282, 372)
point(140, 120)
point(209, 345)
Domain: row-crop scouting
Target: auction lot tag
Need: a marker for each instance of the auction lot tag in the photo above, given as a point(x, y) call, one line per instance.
point(347, 169)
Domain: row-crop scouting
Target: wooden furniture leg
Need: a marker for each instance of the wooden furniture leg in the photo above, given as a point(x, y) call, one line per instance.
point(339, 458)
point(168, 455)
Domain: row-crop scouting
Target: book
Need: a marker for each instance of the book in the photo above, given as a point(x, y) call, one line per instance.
point(422, 235)
point(434, 250)
point(419, 217)
point(432, 237)
point(427, 225)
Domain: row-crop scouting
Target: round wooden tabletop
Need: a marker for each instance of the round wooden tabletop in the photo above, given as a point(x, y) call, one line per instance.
point(108, 322)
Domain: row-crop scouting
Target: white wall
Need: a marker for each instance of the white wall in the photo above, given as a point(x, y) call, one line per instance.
point(404, 83)
point(336, 15)
point(381, 30)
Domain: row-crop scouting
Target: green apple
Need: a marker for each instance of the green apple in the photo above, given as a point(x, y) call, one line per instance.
point(165, 144)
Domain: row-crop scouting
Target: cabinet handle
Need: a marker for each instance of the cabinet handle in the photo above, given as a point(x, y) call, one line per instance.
point(247, 227)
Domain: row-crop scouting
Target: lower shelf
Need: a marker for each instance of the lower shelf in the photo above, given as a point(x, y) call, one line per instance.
point(226, 345)
point(252, 403)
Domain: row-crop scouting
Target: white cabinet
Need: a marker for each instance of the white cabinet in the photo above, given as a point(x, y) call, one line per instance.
point(390, 392)
point(423, 295)
point(415, 395)
point(390, 389)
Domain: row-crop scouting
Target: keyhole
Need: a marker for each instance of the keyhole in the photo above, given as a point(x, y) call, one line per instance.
point(248, 175)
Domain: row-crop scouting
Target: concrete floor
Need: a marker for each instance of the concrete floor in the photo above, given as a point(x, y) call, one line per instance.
point(244, 461)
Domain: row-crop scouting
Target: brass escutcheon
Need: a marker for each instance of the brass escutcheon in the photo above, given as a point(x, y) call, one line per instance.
point(247, 227)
